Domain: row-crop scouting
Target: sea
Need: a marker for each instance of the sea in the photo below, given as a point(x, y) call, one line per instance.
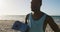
point(22, 18)
point(5, 26)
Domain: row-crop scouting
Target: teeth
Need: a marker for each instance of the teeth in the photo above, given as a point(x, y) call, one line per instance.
point(32, 12)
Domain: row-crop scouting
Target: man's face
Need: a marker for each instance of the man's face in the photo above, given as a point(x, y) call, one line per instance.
point(35, 5)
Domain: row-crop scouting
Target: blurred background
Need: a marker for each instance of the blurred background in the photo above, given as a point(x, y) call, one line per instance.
point(13, 10)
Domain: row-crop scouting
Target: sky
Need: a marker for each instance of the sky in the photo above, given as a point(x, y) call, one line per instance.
point(22, 7)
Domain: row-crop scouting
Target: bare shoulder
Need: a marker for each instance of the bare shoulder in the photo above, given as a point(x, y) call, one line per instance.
point(27, 16)
point(49, 19)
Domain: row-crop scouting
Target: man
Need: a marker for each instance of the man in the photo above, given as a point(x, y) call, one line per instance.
point(39, 20)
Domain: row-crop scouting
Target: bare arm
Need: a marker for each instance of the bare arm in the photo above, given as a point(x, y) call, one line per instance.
point(26, 22)
point(52, 24)
point(26, 19)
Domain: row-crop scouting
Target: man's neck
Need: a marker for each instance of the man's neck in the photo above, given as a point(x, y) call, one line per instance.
point(36, 13)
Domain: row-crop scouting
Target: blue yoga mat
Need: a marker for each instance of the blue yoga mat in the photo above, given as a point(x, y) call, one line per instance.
point(20, 26)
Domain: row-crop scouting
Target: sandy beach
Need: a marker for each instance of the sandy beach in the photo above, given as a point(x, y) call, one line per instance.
point(6, 25)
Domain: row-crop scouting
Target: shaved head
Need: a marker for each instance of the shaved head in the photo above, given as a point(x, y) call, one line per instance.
point(36, 4)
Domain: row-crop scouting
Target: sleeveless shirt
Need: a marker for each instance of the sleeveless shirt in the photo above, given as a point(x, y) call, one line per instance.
point(36, 25)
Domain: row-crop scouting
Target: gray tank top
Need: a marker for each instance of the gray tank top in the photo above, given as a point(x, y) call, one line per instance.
point(36, 25)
